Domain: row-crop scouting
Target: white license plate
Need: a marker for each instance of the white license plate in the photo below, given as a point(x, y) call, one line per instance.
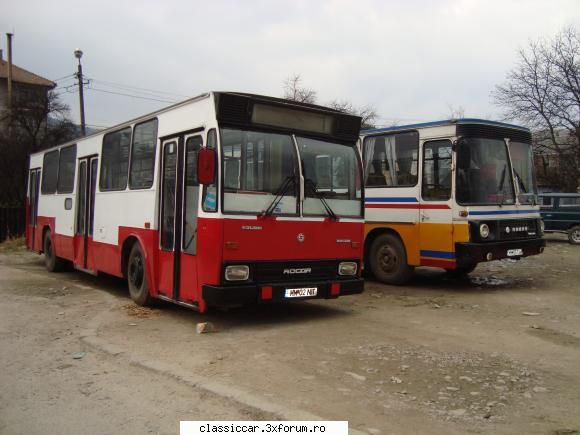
point(301, 292)
point(515, 252)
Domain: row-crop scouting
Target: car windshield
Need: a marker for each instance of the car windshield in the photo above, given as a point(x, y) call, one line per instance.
point(332, 178)
point(483, 172)
point(523, 166)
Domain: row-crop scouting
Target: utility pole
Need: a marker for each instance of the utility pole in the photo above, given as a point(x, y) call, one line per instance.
point(9, 36)
point(78, 55)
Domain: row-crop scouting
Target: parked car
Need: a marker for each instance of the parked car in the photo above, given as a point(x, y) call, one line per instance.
point(561, 214)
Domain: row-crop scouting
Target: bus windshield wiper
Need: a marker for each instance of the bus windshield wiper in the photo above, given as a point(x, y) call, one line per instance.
point(501, 181)
point(290, 180)
point(520, 181)
point(312, 184)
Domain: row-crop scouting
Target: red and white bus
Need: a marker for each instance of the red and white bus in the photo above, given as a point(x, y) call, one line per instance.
point(224, 199)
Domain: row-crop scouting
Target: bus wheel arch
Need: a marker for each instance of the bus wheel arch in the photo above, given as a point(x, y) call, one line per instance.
point(51, 261)
point(135, 270)
point(125, 252)
point(386, 255)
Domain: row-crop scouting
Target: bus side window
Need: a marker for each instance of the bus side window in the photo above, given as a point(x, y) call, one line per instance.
point(436, 185)
point(143, 155)
point(50, 172)
point(391, 160)
point(209, 193)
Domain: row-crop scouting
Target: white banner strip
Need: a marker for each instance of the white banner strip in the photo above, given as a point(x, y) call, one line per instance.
point(263, 427)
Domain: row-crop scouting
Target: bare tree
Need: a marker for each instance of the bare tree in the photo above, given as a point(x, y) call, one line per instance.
point(543, 92)
point(32, 125)
point(456, 112)
point(294, 91)
point(368, 113)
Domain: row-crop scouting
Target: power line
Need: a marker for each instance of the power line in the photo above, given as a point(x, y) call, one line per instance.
point(138, 89)
point(133, 96)
point(62, 78)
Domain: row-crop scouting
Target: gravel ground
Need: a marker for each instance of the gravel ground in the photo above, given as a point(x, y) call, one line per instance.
point(495, 353)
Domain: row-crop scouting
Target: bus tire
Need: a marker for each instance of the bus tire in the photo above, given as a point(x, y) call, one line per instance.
point(574, 235)
point(388, 260)
point(51, 261)
point(137, 276)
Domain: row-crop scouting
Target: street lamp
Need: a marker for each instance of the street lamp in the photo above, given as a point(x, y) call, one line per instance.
point(78, 55)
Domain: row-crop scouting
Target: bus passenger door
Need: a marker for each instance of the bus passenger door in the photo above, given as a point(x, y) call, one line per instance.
point(178, 218)
point(33, 189)
point(32, 210)
point(168, 224)
point(86, 188)
point(188, 270)
point(436, 217)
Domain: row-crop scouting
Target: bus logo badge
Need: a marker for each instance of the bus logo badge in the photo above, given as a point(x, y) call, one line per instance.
point(300, 237)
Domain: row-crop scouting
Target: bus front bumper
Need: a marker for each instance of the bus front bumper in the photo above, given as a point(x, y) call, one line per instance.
point(470, 253)
point(245, 294)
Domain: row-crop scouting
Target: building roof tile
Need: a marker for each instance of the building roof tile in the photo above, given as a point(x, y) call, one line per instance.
point(20, 75)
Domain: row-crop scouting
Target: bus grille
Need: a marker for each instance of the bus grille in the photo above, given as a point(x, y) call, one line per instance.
point(518, 229)
point(277, 271)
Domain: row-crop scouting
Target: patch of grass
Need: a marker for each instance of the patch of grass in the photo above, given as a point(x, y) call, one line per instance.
point(13, 245)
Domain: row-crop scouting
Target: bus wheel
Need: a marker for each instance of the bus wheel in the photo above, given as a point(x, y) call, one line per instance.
point(388, 260)
point(51, 261)
point(137, 276)
point(574, 235)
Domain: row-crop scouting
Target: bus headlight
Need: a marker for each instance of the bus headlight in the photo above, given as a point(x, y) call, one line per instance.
point(484, 231)
point(347, 268)
point(237, 273)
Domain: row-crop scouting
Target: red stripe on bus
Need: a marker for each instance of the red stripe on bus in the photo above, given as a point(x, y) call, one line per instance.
point(411, 206)
point(445, 264)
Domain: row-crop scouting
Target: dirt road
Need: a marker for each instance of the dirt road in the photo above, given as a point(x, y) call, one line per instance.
point(498, 353)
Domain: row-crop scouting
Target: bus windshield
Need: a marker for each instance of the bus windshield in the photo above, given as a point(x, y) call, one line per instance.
point(483, 172)
point(257, 166)
point(332, 178)
point(523, 166)
point(261, 175)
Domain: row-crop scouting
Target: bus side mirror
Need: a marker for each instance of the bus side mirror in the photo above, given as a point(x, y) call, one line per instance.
point(206, 166)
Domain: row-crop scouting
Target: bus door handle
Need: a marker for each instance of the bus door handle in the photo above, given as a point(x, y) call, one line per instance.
point(424, 217)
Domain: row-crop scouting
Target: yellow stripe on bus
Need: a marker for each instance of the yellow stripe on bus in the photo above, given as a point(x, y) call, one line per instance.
point(436, 237)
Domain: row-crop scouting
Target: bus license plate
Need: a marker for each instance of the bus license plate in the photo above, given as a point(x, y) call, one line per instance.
point(301, 292)
point(515, 252)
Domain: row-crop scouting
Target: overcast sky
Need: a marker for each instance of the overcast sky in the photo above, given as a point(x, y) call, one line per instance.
point(412, 60)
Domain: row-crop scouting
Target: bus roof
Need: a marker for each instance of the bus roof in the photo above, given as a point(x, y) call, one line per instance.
point(196, 98)
point(443, 123)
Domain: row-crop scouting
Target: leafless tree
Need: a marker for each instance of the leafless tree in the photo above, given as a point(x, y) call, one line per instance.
point(368, 113)
point(294, 91)
point(456, 112)
point(31, 126)
point(543, 92)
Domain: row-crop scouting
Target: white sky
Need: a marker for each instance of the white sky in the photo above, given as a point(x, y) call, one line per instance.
point(413, 60)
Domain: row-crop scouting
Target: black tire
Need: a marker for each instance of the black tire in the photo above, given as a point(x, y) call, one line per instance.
point(137, 276)
point(51, 261)
point(462, 271)
point(574, 235)
point(388, 260)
